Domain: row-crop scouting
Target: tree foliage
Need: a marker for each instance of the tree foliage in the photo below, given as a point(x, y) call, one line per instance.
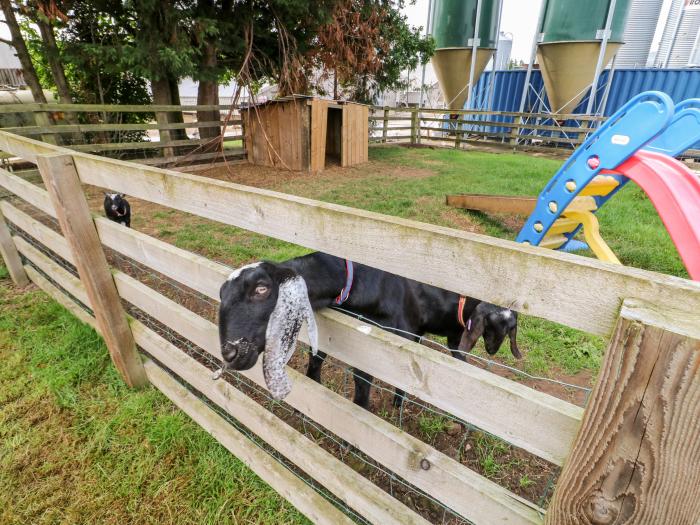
point(111, 50)
point(366, 46)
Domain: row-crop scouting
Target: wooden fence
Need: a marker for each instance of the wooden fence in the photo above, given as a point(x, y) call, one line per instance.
point(561, 133)
point(153, 139)
point(633, 455)
point(456, 127)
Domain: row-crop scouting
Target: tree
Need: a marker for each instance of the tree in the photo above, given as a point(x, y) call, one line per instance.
point(366, 46)
point(45, 14)
point(17, 42)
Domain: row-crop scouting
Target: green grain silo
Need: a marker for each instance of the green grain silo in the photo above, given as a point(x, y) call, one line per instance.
point(453, 25)
point(570, 38)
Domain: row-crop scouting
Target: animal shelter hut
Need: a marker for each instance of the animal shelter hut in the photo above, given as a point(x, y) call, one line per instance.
point(306, 133)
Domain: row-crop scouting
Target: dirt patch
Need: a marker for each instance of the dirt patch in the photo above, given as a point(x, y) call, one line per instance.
point(461, 221)
point(273, 178)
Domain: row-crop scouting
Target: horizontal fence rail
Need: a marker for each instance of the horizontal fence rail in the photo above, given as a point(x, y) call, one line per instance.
point(155, 132)
point(578, 292)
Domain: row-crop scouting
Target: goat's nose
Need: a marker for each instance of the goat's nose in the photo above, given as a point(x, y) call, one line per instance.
point(231, 349)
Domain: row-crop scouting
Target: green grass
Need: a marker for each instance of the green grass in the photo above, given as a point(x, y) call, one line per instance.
point(232, 144)
point(430, 425)
point(77, 446)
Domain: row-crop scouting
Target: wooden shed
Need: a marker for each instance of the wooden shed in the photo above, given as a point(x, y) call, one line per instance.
point(305, 133)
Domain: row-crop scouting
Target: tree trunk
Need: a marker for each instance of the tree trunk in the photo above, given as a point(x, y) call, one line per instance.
point(161, 96)
point(335, 84)
point(208, 93)
point(59, 76)
point(176, 116)
point(54, 59)
point(28, 70)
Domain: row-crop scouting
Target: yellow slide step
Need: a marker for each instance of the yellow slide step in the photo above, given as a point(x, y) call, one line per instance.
point(552, 242)
point(600, 185)
point(563, 225)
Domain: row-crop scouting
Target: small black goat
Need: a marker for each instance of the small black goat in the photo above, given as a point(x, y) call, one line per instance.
point(263, 306)
point(117, 208)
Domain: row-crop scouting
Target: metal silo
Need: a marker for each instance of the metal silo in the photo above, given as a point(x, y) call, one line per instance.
point(679, 35)
point(455, 23)
point(571, 36)
point(639, 33)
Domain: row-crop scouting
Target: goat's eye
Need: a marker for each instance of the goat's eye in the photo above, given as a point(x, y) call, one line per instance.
point(261, 289)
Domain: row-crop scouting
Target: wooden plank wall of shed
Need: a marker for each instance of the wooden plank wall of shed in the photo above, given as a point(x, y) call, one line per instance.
point(319, 124)
point(354, 135)
point(277, 134)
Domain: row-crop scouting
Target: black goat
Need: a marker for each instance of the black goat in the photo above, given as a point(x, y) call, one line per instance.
point(117, 208)
point(263, 306)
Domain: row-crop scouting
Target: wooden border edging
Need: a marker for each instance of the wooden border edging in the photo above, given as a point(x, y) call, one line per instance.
point(65, 191)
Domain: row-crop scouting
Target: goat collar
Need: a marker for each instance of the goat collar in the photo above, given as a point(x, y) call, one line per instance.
point(460, 313)
point(345, 292)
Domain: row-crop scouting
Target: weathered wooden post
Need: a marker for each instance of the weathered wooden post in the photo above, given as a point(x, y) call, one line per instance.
point(62, 182)
point(636, 458)
point(459, 131)
point(414, 126)
point(385, 124)
point(515, 130)
point(10, 255)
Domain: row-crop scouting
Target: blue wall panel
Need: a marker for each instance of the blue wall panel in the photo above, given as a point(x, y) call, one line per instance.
point(679, 84)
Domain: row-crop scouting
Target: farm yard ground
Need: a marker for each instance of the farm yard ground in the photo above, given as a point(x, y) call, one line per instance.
point(78, 408)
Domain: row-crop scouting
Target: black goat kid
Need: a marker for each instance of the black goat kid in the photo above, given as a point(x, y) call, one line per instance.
point(263, 306)
point(117, 208)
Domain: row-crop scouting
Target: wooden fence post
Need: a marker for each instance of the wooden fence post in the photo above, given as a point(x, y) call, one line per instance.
point(414, 126)
point(10, 255)
point(636, 458)
point(459, 132)
point(62, 182)
point(515, 131)
point(385, 125)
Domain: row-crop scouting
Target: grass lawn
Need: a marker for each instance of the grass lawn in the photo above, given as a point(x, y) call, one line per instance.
point(77, 447)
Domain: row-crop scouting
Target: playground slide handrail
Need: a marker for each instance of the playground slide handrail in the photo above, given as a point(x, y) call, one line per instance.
point(629, 129)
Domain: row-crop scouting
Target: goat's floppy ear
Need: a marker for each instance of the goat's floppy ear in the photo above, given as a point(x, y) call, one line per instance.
point(512, 335)
point(474, 329)
point(292, 309)
point(122, 195)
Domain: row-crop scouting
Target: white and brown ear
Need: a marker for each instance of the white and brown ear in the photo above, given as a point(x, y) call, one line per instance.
point(292, 309)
